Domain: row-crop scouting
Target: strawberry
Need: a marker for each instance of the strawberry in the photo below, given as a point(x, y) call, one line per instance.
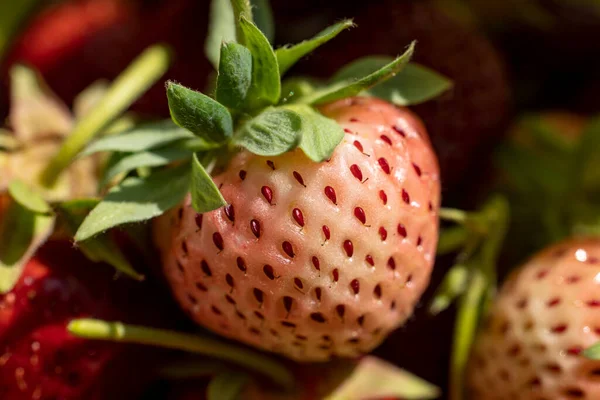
point(73, 43)
point(463, 122)
point(315, 260)
point(544, 317)
point(39, 359)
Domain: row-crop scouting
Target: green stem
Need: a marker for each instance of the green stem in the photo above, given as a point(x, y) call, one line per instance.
point(119, 332)
point(464, 331)
point(451, 239)
point(241, 8)
point(12, 15)
point(453, 215)
point(127, 88)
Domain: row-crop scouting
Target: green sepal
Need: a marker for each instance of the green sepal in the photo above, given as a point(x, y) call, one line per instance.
point(353, 87)
point(320, 135)
point(137, 200)
point(123, 163)
point(454, 284)
point(415, 84)
point(221, 28)
point(266, 82)
point(205, 194)
point(199, 114)
point(22, 231)
point(272, 132)
point(102, 248)
point(296, 88)
point(287, 56)
point(235, 75)
point(141, 138)
point(227, 385)
point(28, 198)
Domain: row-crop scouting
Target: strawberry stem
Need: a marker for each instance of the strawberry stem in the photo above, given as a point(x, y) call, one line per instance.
point(119, 332)
point(241, 8)
point(128, 87)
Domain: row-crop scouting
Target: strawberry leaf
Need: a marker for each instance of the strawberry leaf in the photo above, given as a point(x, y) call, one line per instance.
point(140, 138)
point(123, 163)
point(263, 18)
point(226, 386)
point(22, 231)
point(374, 378)
point(101, 248)
point(266, 83)
point(205, 194)
point(320, 135)
point(221, 29)
point(287, 56)
point(235, 75)
point(28, 197)
point(453, 285)
point(272, 132)
point(199, 114)
point(353, 87)
point(136, 200)
point(413, 85)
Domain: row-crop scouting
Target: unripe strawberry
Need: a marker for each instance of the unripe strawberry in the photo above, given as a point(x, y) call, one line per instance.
point(544, 317)
point(315, 260)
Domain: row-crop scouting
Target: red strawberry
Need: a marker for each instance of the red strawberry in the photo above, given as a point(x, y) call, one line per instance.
point(39, 359)
point(461, 123)
point(545, 315)
point(315, 260)
point(76, 42)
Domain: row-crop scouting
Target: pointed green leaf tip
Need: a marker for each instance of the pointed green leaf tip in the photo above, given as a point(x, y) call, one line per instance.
point(235, 75)
point(28, 198)
point(200, 114)
point(205, 194)
point(353, 87)
point(266, 82)
point(289, 55)
point(415, 84)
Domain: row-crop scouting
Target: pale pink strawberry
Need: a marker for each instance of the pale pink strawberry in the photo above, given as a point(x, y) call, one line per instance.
point(546, 314)
point(314, 260)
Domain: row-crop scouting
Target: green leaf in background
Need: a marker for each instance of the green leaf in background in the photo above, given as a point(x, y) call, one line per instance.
point(353, 87)
point(272, 132)
point(102, 248)
point(12, 15)
point(28, 198)
point(263, 18)
point(320, 135)
point(221, 29)
point(235, 75)
point(140, 138)
point(22, 231)
point(297, 87)
point(226, 386)
point(266, 83)
point(287, 56)
point(453, 285)
point(123, 163)
point(413, 85)
point(137, 200)
point(140, 75)
point(586, 168)
point(374, 378)
point(205, 194)
point(199, 114)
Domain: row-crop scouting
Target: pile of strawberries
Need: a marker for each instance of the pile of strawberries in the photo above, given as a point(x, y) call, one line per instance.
point(193, 207)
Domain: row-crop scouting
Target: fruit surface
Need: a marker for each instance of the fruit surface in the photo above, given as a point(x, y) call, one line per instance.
point(545, 316)
point(465, 120)
point(39, 359)
point(314, 260)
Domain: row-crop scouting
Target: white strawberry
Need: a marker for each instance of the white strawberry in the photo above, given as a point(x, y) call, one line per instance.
point(545, 316)
point(314, 260)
